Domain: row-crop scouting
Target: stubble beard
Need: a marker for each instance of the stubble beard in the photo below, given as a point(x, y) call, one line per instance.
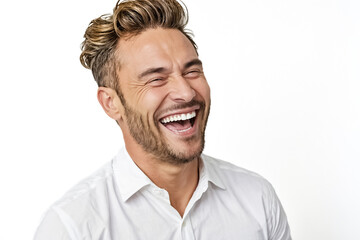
point(156, 145)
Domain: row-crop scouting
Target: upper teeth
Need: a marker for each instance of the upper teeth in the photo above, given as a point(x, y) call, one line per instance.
point(178, 117)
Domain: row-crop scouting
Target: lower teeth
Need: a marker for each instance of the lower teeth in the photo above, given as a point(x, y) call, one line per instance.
point(184, 130)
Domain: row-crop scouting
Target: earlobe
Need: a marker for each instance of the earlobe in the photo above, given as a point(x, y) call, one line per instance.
point(110, 102)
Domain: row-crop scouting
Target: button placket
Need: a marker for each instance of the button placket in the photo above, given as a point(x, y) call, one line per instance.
point(186, 229)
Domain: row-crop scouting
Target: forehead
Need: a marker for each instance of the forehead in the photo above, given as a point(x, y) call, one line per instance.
point(156, 48)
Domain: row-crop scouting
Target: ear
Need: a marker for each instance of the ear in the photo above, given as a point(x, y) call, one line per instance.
point(110, 102)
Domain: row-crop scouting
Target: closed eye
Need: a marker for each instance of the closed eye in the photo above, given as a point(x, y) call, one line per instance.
point(193, 74)
point(156, 81)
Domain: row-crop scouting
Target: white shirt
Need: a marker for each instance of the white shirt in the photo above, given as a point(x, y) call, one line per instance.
point(120, 202)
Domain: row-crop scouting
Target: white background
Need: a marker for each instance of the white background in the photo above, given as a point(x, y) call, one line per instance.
point(285, 79)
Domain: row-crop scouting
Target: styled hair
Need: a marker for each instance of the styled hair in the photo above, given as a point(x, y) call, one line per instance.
point(129, 18)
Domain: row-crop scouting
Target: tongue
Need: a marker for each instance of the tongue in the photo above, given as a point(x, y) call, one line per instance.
point(178, 125)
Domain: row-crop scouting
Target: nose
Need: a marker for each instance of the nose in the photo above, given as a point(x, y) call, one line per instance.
point(181, 90)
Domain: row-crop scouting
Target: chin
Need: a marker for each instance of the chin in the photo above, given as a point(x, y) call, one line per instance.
point(184, 154)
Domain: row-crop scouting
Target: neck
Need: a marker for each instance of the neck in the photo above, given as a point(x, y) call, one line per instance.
point(180, 181)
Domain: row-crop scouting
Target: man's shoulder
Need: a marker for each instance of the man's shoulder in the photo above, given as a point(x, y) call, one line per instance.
point(248, 190)
point(87, 189)
point(79, 207)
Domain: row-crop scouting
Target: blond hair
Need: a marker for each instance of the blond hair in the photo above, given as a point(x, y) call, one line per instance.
point(129, 18)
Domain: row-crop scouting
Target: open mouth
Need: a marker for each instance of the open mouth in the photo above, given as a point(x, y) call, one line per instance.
point(180, 123)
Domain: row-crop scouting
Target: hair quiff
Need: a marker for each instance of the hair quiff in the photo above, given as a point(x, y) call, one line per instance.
point(129, 18)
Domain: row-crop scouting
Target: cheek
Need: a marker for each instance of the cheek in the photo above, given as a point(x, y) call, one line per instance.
point(202, 87)
point(153, 99)
point(142, 98)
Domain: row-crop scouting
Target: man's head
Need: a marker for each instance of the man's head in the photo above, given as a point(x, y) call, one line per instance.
point(129, 18)
point(150, 78)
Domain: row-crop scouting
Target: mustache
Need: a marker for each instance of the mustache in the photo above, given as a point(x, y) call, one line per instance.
point(192, 103)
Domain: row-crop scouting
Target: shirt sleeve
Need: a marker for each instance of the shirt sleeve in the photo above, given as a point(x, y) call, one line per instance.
point(278, 227)
point(54, 227)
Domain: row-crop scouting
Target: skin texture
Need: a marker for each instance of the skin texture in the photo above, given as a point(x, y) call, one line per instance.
point(160, 75)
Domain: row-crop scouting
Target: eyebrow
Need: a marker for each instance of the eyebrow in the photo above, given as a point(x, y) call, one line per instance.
point(192, 63)
point(162, 69)
point(151, 71)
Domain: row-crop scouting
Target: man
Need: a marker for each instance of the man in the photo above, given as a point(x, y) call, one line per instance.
point(161, 186)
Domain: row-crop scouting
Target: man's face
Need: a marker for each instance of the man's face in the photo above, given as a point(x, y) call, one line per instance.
point(167, 98)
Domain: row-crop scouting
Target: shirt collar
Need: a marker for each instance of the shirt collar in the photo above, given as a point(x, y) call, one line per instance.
point(128, 176)
point(209, 172)
point(130, 179)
